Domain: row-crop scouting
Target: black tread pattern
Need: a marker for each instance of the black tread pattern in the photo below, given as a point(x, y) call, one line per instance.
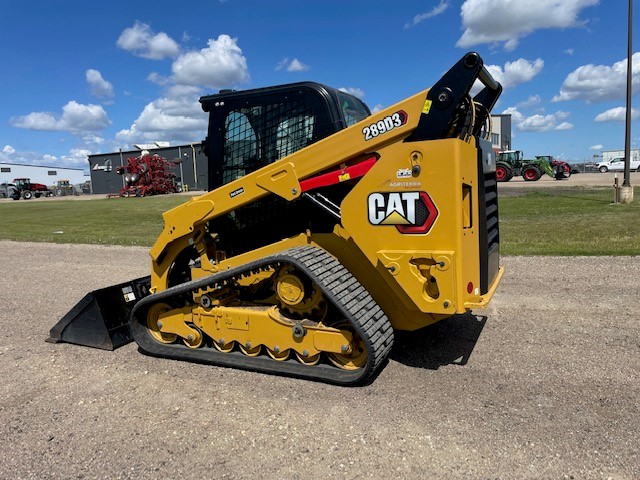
point(339, 286)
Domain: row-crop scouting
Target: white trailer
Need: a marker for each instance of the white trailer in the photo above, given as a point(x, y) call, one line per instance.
point(608, 155)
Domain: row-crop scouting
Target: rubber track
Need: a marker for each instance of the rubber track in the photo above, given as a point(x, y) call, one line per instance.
point(339, 286)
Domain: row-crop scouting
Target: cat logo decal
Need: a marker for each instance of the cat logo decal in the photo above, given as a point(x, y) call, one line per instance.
point(409, 212)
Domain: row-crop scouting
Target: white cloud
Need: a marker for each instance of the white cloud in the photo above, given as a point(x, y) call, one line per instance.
point(538, 122)
point(297, 66)
point(99, 86)
point(158, 79)
point(506, 21)
point(595, 83)
point(9, 150)
point(75, 117)
point(140, 40)
point(76, 156)
point(435, 11)
point(92, 138)
point(617, 114)
point(356, 92)
point(294, 65)
point(596, 147)
point(512, 74)
point(175, 117)
point(532, 101)
point(515, 73)
point(36, 121)
point(568, 51)
point(377, 108)
point(219, 65)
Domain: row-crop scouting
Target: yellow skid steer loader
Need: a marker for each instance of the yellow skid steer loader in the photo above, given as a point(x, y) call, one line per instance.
point(325, 229)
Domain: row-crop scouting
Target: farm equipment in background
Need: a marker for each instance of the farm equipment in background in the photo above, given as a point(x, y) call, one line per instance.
point(510, 163)
point(64, 188)
point(327, 229)
point(560, 170)
point(6, 189)
point(23, 188)
point(147, 175)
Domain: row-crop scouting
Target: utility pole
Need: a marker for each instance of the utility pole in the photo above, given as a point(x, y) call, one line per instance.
point(626, 192)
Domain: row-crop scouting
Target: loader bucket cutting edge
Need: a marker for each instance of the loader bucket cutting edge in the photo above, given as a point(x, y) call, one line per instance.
point(101, 318)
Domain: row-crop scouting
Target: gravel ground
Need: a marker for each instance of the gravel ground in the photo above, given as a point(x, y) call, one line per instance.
point(543, 384)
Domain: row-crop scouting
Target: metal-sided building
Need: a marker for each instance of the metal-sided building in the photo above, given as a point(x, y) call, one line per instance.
point(501, 131)
point(41, 174)
point(188, 164)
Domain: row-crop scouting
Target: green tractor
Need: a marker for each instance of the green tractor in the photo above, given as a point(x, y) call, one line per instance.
point(510, 163)
point(64, 187)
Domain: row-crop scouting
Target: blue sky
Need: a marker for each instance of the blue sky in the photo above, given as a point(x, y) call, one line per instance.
point(90, 77)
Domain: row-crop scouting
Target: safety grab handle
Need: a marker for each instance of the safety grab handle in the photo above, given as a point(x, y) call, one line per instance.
point(449, 94)
point(487, 80)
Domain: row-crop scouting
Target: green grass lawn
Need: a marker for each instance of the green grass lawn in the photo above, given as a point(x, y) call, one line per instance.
point(114, 221)
point(562, 221)
point(569, 221)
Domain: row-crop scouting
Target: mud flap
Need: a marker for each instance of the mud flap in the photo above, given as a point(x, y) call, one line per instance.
point(101, 318)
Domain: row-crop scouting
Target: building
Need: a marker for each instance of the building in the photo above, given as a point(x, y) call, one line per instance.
point(188, 164)
point(501, 131)
point(41, 174)
point(608, 155)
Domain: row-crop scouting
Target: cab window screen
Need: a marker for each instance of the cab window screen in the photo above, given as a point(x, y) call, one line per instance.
point(260, 135)
point(240, 146)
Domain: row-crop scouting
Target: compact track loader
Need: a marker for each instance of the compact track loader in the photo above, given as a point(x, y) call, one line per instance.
point(325, 229)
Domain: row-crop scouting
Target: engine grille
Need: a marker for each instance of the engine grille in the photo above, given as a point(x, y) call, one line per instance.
point(491, 210)
point(489, 235)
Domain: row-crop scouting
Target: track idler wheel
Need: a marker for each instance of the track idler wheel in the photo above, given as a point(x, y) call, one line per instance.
point(355, 356)
point(154, 328)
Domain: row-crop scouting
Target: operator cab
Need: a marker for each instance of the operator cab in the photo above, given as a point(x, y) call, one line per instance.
point(252, 128)
point(249, 129)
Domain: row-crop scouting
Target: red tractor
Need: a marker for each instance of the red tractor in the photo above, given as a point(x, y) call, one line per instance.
point(147, 175)
point(22, 187)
